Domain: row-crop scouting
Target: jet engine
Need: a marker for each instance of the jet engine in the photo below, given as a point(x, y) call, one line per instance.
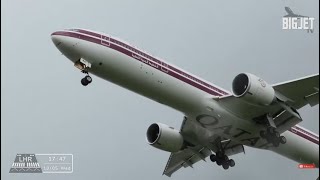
point(164, 137)
point(253, 89)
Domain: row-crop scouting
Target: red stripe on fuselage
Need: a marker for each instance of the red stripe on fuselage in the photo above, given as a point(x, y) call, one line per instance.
point(306, 132)
point(303, 135)
point(171, 71)
point(152, 58)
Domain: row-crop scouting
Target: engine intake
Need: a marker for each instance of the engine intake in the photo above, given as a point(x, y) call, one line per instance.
point(163, 137)
point(252, 89)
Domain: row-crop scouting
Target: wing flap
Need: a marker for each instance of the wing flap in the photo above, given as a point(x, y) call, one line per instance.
point(185, 158)
point(300, 92)
point(312, 99)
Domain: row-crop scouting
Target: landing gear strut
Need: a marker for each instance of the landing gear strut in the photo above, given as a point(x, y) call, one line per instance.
point(273, 136)
point(270, 134)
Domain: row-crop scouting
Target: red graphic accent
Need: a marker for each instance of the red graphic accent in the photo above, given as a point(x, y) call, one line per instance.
point(307, 166)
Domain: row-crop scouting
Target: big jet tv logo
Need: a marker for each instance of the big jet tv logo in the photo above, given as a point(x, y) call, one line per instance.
point(298, 23)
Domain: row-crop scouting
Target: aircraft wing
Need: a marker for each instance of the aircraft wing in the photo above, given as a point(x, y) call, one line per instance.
point(185, 158)
point(299, 92)
point(195, 153)
point(295, 94)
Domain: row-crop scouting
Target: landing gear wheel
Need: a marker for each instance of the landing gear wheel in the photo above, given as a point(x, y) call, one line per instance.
point(213, 157)
point(219, 162)
point(231, 163)
point(86, 80)
point(283, 139)
point(225, 165)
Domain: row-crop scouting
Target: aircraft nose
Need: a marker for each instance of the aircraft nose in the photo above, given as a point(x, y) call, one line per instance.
point(66, 45)
point(56, 39)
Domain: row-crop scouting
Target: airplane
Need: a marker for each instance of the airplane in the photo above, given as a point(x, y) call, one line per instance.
point(292, 14)
point(216, 123)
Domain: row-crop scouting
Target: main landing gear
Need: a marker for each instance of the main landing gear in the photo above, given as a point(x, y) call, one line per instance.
point(272, 136)
point(222, 160)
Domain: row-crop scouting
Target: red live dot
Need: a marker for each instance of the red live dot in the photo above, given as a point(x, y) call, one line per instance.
point(307, 166)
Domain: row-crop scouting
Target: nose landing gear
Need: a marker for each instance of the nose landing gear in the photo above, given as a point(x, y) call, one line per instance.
point(84, 65)
point(86, 80)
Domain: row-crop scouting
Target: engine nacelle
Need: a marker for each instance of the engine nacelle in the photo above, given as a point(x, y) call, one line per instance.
point(164, 137)
point(253, 89)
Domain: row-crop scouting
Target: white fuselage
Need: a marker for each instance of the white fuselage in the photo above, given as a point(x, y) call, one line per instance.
point(133, 69)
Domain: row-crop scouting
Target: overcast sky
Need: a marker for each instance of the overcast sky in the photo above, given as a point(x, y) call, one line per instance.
point(45, 109)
